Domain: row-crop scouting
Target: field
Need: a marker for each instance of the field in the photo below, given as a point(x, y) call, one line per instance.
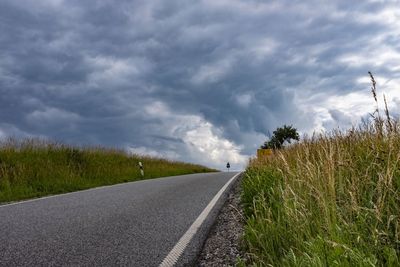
point(332, 199)
point(34, 168)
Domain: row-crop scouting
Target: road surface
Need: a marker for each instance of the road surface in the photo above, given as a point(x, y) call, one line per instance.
point(131, 224)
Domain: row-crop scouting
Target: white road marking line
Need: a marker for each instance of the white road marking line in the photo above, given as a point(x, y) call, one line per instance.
point(178, 249)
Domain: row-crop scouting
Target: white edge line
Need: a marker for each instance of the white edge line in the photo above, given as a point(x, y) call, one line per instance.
point(89, 189)
point(178, 249)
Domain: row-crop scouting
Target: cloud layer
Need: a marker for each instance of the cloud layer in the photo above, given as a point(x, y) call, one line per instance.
point(201, 81)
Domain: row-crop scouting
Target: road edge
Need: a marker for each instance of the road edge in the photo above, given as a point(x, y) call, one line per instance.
point(198, 231)
point(224, 243)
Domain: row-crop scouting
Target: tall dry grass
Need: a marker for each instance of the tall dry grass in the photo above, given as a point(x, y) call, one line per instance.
point(31, 168)
point(333, 199)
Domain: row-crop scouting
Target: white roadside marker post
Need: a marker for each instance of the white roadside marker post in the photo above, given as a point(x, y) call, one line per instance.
point(141, 168)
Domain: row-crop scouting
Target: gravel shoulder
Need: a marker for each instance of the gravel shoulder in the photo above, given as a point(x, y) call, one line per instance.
point(222, 247)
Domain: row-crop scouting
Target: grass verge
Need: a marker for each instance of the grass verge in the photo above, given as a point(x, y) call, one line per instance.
point(330, 200)
point(34, 168)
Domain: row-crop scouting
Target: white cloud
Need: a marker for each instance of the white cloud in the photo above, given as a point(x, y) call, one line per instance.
point(2, 135)
point(141, 150)
point(115, 71)
point(244, 100)
point(203, 142)
point(51, 115)
point(373, 57)
point(215, 150)
point(264, 48)
point(351, 107)
point(389, 15)
point(7, 130)
point(213, 72)
point(244, 7)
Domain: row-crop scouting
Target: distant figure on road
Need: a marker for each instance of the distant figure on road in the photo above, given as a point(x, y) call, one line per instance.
point(228, 166)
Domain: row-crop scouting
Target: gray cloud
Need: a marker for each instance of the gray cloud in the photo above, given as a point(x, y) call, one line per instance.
point(153, 76)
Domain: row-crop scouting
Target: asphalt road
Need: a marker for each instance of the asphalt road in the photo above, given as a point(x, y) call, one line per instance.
point(131, 224)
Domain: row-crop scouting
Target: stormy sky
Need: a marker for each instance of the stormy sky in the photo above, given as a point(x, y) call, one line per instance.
point(200, 81)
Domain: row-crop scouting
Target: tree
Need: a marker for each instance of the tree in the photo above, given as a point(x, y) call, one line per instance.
point(280, 135)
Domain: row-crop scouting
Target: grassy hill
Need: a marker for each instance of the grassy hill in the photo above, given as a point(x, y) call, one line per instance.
point(330, 200)
point(33, 168)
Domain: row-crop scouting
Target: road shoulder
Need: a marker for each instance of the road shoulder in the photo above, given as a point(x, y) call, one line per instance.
point(222, 246)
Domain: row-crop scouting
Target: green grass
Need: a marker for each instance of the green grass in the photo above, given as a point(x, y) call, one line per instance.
point(330, 200)
point(34, 168)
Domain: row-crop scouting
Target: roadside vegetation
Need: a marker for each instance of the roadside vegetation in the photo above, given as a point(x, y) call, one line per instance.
point(332, 199)
point(33, 168)
point(280, 136)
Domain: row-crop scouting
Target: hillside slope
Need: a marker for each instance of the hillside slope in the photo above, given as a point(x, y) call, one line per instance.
point(33, 168)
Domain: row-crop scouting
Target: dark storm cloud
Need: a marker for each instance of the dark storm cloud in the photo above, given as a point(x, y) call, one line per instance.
point(154, 74)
